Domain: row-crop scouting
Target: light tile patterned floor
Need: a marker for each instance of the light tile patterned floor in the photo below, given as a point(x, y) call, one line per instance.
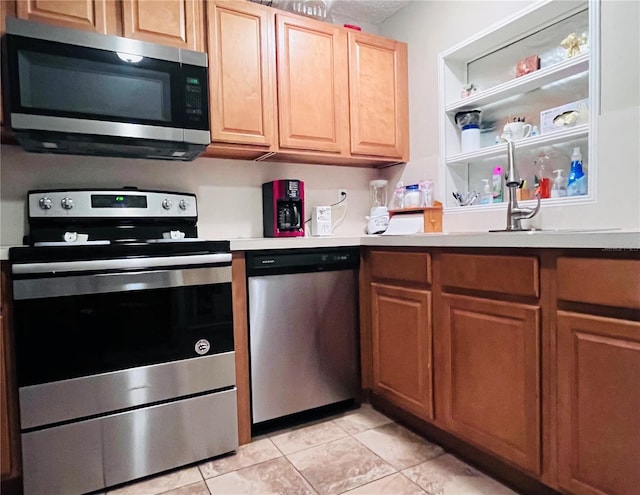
point(361, 452)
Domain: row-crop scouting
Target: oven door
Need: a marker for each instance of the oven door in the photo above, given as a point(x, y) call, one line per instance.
point(132, 330)
point(112, 86)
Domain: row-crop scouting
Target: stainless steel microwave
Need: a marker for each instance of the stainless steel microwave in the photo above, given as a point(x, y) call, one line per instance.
point(75, 92)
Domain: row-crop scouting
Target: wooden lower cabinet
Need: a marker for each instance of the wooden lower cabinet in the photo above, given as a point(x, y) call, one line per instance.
point(401, 335)
point(598, 404)
point(9, 434)
point(491, 375)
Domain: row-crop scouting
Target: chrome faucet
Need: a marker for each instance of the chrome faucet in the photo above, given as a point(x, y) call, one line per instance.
point(515, 214)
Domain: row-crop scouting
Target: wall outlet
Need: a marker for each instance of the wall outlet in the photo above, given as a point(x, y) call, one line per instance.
point(342, 192)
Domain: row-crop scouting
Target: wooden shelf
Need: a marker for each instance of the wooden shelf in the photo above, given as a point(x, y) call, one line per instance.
point(522, 84)
point(581, 131)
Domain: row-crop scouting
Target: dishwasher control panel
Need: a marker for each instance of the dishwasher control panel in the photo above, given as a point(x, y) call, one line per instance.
point(303, 260)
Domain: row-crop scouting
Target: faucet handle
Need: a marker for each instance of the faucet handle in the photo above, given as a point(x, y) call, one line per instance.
point(532, 213)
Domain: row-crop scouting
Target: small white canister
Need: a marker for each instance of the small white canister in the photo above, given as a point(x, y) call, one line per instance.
point(470, 138)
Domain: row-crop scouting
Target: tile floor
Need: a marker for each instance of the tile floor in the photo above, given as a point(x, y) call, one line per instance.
point(359, 452)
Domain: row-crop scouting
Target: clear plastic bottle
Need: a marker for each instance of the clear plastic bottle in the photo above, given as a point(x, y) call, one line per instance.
point(486, 197)
point(426, 193)
point(398, 196)
point(544, 181)
point(559, 187)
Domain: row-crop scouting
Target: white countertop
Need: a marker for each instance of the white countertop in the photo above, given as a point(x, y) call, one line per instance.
point(260, 243)
point(594, 239)
point(614, 240)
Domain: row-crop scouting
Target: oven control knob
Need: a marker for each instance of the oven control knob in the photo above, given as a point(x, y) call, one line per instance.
point(45, 203)
point(66, 203)
point(183, 204)
point(167, 204)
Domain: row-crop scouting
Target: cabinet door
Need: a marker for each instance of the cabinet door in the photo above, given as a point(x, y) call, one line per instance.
point(241, 72)
point(6, 9)
point(9, 435)
point(401, 327)
point(169, 22)
point(598, 405)
point(378, 92)
point(5, 459)
point(491, 370)
point(312, 78)
point(90, 15)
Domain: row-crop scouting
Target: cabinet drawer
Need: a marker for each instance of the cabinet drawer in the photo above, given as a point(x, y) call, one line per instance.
point(600, 281)
point(404, 267)
point(515, 275)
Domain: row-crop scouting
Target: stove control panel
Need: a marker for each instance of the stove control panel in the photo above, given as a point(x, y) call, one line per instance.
point(112, 203)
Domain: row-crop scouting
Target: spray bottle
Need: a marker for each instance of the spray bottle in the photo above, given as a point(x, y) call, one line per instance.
point(577, 183)
point(496, 184)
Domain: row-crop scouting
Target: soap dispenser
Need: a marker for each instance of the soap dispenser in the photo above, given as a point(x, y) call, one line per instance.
point(486, 197)
point(559, 187)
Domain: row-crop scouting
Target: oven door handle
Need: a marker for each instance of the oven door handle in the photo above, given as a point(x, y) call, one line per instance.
point(101, 283)
point(120, 264)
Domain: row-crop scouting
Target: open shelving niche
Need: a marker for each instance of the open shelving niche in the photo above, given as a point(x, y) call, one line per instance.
point(560, 80)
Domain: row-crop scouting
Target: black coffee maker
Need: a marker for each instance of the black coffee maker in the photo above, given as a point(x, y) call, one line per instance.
point(283, 208)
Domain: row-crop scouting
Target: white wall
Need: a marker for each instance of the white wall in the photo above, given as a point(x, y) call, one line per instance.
point(430, 27)
point(229, 191)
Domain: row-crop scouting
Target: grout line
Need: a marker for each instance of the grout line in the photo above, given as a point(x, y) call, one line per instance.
point(302, 475)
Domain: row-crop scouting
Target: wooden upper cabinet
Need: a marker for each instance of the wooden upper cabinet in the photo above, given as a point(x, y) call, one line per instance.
point(378, 91)
point(99, 16)
point(241, 44)
point(312, 85)
point(598, 404)
point(177, 23)
point(170, 22)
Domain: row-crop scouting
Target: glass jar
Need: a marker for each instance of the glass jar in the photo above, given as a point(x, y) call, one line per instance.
point(412, 196)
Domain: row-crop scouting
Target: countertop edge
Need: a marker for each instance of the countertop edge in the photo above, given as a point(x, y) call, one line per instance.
point(603, 239)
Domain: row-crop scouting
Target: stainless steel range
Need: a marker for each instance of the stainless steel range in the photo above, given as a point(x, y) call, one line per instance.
point(124, 339)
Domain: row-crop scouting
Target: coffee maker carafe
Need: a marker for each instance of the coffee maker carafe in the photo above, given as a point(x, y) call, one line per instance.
point(283, 208)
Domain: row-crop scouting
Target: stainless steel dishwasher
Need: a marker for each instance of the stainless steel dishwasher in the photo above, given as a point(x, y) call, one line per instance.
point(303, 330)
